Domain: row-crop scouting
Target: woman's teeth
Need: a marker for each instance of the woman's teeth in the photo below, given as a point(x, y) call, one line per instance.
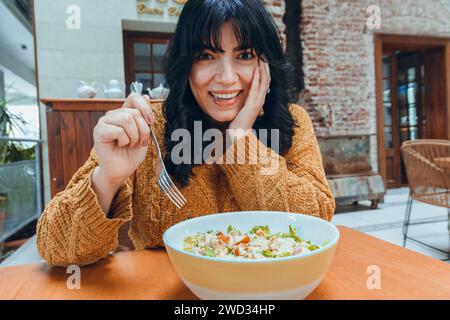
point(225, 96)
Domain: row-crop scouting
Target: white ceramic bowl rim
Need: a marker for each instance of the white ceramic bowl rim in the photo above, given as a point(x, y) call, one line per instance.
point(262, 260)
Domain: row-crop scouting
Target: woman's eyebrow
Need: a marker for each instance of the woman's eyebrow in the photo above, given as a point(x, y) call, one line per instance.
point(240, 49)
point(215, 50)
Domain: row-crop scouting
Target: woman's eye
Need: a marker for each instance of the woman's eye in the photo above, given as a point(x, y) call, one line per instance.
point(244, 55)
point(203, 56)
point(249, 55)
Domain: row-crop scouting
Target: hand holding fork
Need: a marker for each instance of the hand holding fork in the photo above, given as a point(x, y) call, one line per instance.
point(121, 139)
point(164, 181)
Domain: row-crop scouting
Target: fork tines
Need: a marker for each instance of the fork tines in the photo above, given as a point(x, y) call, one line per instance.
point(168, 187)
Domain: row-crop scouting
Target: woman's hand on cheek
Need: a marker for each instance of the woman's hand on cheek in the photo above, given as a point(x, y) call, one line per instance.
point(253, 105)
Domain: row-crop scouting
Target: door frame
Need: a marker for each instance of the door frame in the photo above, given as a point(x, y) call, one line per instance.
point(405, 43)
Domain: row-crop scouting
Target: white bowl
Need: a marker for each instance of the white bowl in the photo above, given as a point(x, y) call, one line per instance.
point(293, 277)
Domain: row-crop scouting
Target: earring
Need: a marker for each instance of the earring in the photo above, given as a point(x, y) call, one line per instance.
point(261, 113)
point(268, 90)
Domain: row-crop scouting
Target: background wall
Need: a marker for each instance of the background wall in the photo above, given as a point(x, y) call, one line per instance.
point(338, 53)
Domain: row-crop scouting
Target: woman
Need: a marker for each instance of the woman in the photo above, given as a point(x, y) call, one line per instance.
point(220, 47)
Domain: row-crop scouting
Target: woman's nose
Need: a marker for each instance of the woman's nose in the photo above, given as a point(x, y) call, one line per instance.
point(226, 73)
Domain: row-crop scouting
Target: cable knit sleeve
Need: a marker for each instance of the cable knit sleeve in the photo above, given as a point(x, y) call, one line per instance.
point(73, 229)
point(294, 182)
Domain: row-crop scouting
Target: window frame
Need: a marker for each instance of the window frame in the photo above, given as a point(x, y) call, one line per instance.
point(132, 37)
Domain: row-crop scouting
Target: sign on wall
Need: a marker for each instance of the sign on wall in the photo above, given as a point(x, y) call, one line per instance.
point(159, 7)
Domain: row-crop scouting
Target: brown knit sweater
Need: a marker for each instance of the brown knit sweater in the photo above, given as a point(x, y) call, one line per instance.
point(73, 229)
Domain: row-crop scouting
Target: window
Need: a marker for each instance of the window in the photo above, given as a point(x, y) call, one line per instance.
point(144, 53)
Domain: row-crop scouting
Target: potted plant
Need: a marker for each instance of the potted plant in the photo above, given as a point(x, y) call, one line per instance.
point(12, 151)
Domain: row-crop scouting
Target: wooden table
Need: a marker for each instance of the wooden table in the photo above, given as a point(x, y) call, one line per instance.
point(148, 274)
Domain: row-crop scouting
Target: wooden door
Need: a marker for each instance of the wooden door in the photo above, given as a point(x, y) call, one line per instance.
point(436, 113)
point(404, 117)
point(410, 91)
point(390, 113)
point(430, 89)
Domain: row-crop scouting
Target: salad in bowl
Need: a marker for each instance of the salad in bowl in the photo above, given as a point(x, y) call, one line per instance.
point(258, 243)
point(252, 254)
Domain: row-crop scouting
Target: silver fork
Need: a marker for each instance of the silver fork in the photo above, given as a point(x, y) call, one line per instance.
point(164, 181)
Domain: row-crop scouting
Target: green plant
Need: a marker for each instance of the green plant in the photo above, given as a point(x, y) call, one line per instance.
point(12, 151)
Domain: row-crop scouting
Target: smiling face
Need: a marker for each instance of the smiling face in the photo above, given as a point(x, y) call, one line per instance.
point(214, 74)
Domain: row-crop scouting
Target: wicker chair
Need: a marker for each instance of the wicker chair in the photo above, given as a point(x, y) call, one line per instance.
point(427, 163)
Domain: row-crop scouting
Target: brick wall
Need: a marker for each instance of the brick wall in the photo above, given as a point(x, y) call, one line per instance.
point(338, 55)
point(276, 9)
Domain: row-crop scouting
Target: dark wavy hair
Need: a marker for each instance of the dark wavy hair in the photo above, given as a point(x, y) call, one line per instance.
point(198, 28)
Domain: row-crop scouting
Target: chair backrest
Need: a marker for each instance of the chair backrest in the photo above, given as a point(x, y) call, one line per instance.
point(428, 179)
